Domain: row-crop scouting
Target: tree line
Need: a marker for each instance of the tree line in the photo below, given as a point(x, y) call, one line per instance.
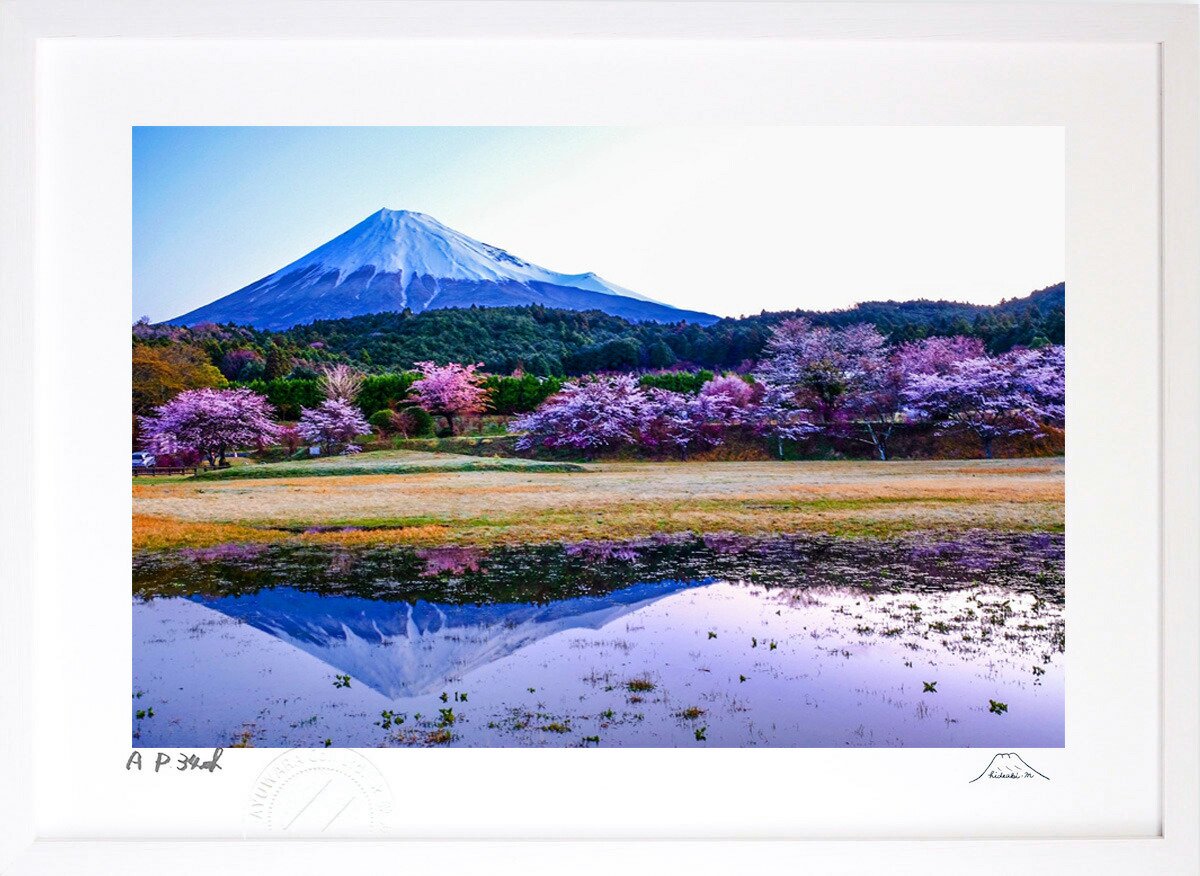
point(810, 379)
point(547, 342)
point(838, 382)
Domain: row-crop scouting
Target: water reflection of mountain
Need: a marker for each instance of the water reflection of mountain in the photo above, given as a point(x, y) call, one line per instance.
point(404, 649)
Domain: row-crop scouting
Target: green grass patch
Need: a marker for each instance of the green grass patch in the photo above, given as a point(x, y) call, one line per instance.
point(863, 504)
point(384, 463)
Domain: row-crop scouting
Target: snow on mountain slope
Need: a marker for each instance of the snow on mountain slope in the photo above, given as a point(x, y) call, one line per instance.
point(417, 245)
point(397, 259)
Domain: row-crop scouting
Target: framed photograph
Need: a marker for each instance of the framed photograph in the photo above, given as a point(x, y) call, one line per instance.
point(736, 434)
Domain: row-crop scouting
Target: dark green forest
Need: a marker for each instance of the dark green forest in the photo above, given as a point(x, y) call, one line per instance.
point(543, 341)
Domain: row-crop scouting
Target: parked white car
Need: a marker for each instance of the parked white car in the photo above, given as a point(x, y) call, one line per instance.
point(143, 460)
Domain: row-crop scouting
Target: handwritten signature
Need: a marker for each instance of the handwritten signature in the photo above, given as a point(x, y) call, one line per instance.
point(185, 762)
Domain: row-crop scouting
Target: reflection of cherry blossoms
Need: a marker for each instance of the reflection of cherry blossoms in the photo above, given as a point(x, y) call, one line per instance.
point(602, 551)
point(341, 562)
point(450, 561)
point(981, 551)
point(223, 553)
point(725, 542)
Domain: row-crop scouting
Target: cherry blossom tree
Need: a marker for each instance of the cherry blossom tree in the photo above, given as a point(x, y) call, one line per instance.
point(450, 391)
point(876, 406)
point(210, 422)
point(588, 414)
point(937, 355)
point(810, 375)
point(1043, 373)
point(875, 403)
point(992, 397)
point(334, 424)
point(668, 421)
point(820, 366)
point(682, 422)
point(290, 437)
point(733, 391)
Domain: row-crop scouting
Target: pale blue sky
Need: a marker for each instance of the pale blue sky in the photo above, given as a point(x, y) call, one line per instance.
point(725, 220)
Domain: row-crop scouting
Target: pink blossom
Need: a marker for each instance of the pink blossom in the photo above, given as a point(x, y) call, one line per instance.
point(734, 391)
point(450, 391)
point(334, 424)
point(587, 414)
point(937, 355)
point(210, 422)
point(810, 373)
point(993, 398)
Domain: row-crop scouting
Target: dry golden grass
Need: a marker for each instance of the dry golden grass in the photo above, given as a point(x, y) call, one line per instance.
point(610, 500)
point(152, 533)
point(1009, 470)
point(417, 535)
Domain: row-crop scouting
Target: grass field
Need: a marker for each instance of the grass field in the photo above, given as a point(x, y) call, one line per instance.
point(384, 462)
point(431, 499)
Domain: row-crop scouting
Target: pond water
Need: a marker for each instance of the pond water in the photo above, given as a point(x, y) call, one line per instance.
point(682, 641)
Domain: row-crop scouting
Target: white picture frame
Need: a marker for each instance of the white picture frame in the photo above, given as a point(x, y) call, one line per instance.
point(28, 31)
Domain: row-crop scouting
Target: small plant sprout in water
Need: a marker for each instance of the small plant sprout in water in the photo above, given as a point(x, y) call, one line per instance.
point(712, 634)
point(691, 713)
point(328, 743)
point(446, 717)
point(773, 645)
point(444, 697)
point(700, 734)
point(558, 727)
point(460, 697)
point(639, 685)
point(997, 708)
point(244, 740)
point(591, 740)
point(341, 681)
point(741, 679)
point(753, 641)
point(388, 718)
point(930, 687)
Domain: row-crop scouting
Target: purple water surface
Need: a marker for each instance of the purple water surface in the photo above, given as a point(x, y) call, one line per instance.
point(810, 642)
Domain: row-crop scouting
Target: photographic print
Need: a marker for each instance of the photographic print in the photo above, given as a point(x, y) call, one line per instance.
point(598, 437)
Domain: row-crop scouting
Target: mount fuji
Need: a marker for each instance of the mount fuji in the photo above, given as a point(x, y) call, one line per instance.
point(398, 259)
point(405, 649)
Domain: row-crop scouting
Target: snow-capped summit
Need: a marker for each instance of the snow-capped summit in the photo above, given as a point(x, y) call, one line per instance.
point(417, 245)
point(397, 259)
